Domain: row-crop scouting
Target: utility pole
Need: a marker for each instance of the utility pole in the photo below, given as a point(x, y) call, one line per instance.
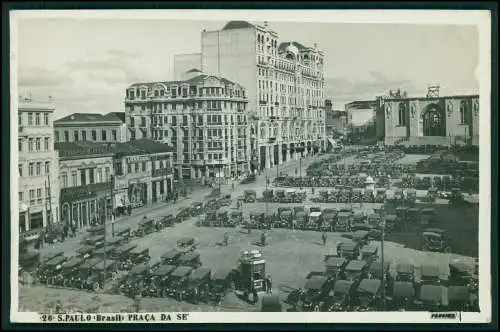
point(50, 198)
point(382, 215)
point(112, 196)
point(104, 206)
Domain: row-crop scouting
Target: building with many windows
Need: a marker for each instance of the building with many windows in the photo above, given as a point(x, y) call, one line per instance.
point(37, 166)
point(91, 127)
point(85, 179)
point(284, 83)
point(428, 120)
point(336, 121)
point(202, 117)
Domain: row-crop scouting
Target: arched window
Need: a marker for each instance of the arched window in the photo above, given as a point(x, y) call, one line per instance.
point(402, 115)
point(463, 112)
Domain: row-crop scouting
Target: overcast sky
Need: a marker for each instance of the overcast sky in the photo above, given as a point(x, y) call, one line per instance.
point(85, 65)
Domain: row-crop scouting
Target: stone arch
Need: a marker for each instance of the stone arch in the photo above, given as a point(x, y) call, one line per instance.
point(433, 121)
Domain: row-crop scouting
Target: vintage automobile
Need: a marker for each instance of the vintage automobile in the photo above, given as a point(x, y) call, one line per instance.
point(432, 195)
point(427, 216)
point(257, 220)
point(358, 219)
point(361, 237)
point(435, 240)
point(459, 298)
point(124, 234)
point(314, 220)
point(340, 297)
point(376, 271)
point(139, 255)
point(210, 218)
point(329, 219)
point(368, 295)
point(103, 252)
point(104, 270)
point(224, 201)
point(334, 267)
point(298, 208)
point(235, 218)
point(146, 226)
point(96, 230)
point(178, 281)
point(191, 258)
point(402, 213)
point(197, 208)
point(285, 219)
point(249, 179)
point(158, 281)
point(96, 241)
point(84, 251)
point(121, 255)
point(198, 286)
point(343, 222)
point(413, 214)
point(402, 296)
point(186, 244)
point(183, 214)
point(460, 274)
point(390, 221)
point(314, 293)
point(220, 284)
point(222, 217)
point(348, 250)
point(165, 221)
point(405, 272)
point(411, 197)
point(171, 257)
point(50, 269)
point(430, 275)
point(68, 272)
point(29, 260)
point(430, 298)
point(133, 283)
point(80, 275)
point(271, 303)
point(300, 220)
point(369, 253)
point(250, 196)
point(381, 196)
point(355, 270)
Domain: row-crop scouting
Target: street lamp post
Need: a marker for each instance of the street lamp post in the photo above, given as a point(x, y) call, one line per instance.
point(382, 215)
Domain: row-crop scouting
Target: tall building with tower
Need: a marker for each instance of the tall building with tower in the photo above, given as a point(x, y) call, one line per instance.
point(37, 166)
point(284, 83)
point(429, 120)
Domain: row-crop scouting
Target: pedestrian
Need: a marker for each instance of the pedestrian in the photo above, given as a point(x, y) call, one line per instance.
point(263, 239)
point(226, 239)
point(58, 307)
point(323, 237)
point(269, 284)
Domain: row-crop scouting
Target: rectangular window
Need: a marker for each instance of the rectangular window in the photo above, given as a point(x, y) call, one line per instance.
point(132, 122)
point(107, 172)
point(136, 167)
point(91, 175)
point(129, 168)
point(30, 144)
point(66, 136)
point(75, 135)
point(113, 133)
point(20, 167)
point(47, 167)
point(31, 169)
point(30, 118)
point(65, 179)
point(144, 166)
point(74, 179)
point(39, 195)
point(38, 169)
point(21, 196)
point(103, 135)
point(38, 144)
point(84, 135)
point(57, 136)
point(143, 121)
point(93, 133)
point(46, 119)
point(37, 119)
point(20, 144)
point(83, 177)
point(32, 196)
point(46, 143)
point(99, 175)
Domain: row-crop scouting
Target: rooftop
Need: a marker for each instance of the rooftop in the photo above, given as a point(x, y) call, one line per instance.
point(92, 118)
point(238, 25)
point(69, 150)
point(192, 81)
point(284, 45)
point(142, 146)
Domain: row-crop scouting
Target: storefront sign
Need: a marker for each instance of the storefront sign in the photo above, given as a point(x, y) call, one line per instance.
point(135, 159)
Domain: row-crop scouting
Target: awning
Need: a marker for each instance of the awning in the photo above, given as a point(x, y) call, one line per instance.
point(23, 207)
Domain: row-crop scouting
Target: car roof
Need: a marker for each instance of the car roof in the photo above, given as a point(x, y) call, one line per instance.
point(360, 234)
point(356, 265)
point(56, 260)
point(182, 271)
point(126, 247)
point(460, 267)
point(434, 230)
point(458, 293)
point(348, 245)
point(189, 256)
point(186, 240)
point(164, 270)
point(342, 286)
point(139, 269)
point(104, 263)
point(401, 289)
point(405, 268)
point(221, 274)
point(369, 285)
point(171, 254)
point(344, 214)
point(200, 273)
point(74, 261)
point(315, 282)
point(430, 270)
point(391, 217)
point(369, 248)
point(315, 214)
point(335, 261)
point(138, 250)
point(430, 293)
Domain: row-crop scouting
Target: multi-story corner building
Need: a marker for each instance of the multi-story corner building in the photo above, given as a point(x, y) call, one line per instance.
point(428, 120)
point(37, 166)
point(202, 117)
point(85, 179)
point(91, 127)
point(284, 83)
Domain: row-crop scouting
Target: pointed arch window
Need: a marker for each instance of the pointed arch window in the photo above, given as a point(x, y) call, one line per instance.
point(464, 110)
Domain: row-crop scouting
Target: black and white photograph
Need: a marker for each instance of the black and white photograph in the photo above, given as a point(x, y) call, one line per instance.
point(207, 166)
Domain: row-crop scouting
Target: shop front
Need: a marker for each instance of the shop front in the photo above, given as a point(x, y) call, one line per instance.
point(137, 193)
